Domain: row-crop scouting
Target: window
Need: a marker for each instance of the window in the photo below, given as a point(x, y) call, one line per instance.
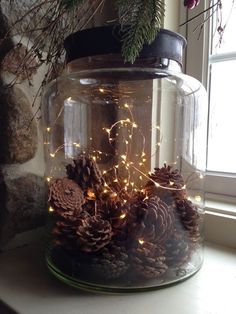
point(221, 158)
point(214, 63)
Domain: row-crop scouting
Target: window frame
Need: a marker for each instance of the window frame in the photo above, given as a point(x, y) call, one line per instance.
point(220, 223)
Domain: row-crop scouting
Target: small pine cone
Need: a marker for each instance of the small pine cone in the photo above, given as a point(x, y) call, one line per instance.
point(148, 260)
point(190, 218)
point(171, 185)
point(151, 220)
point(167, 176)
point(66, 196)
point(112, 263)
point(93, 233)
point(86, 174)
point(178, 250)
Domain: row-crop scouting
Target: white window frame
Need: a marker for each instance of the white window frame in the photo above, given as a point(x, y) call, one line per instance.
point(220, 189)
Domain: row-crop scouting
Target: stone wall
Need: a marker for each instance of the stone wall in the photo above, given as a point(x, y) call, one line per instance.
point(22, 197)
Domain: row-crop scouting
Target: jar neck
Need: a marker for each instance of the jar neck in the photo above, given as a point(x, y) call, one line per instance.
point(115, 61)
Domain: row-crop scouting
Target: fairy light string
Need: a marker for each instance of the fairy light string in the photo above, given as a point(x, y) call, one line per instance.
point(123, 173)
point(125, 159)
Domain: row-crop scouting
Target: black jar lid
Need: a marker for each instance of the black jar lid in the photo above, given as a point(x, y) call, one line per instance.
point(106, 40)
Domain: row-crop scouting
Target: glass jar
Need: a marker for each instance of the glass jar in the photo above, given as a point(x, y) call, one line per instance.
point(125, 148)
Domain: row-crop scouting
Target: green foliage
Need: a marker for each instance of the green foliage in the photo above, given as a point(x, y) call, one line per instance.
point(140, 22)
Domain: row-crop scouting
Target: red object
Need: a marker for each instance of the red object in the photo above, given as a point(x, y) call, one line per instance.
point(190, 4)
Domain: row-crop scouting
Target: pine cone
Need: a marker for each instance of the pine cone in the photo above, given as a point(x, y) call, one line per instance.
point(150, 220)
point(148, 260)
point(115, 212)
point(189, 217)
point(112, 263)
point(65, 196)
point(171, 185)
point(178, 251)
point(93, 233)
point(167, 176)
point(86, 174)
point(64, 232)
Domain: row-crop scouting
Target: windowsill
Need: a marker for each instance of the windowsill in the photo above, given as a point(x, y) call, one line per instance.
point(28, 288)
point(220, 222)
point(220, 204)
point(221, 207)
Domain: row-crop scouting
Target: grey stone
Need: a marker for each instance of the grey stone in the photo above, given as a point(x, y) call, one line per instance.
point(18, 131)
point(23, 204)
point(14, 10)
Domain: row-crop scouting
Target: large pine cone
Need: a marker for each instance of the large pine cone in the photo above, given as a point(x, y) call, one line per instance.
point(171, 185)
point(86, 174)
point(150, 220)
point(148, 260)
point(189, 217)
point(66, 196)
point(178, 250)
point(115, 212)
point(93, 233)
point(112, 263)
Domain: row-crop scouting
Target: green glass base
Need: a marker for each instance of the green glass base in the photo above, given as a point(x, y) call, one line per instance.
point(127, 285)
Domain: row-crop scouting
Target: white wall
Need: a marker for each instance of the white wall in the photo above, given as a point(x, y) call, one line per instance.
point(171, 21)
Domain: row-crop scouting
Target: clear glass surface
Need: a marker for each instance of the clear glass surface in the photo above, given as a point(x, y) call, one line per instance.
point(125, 177)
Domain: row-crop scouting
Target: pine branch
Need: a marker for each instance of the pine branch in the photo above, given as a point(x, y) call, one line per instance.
point(140, 22)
